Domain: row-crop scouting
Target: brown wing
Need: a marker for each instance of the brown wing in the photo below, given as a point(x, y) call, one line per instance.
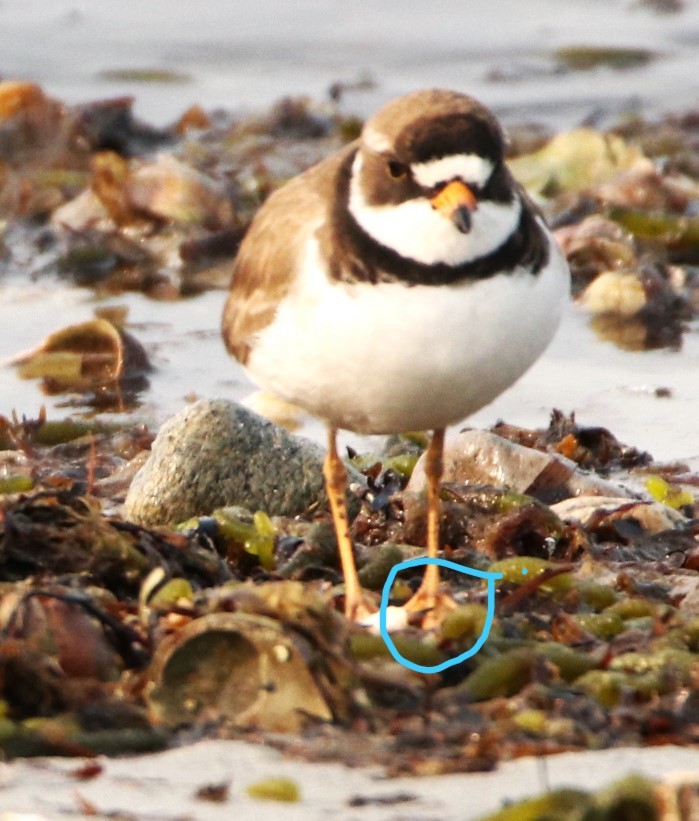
point(270, 254)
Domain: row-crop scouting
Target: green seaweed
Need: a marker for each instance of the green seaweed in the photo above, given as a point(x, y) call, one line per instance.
point(502, 675)
point(275, 788)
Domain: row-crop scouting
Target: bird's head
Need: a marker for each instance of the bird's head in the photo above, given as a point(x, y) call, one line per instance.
point(429, 179)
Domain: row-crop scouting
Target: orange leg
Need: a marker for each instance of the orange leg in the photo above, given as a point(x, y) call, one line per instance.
point(428, 596)
point(335, 482)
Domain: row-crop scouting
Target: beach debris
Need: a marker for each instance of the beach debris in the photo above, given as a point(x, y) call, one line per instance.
point(193, 608)
point(586, 58)
point(97, 358)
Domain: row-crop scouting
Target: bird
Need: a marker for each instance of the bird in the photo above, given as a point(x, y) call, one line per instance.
point(398, 285)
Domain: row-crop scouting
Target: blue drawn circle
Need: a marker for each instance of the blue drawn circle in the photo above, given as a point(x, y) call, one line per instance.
point(437, 668)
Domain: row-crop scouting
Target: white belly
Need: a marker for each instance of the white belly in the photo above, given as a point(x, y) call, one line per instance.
point(389, 357)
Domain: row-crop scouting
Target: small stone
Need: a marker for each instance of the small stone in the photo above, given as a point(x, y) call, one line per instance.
point(217, 453)
point(170, 190)
point(17, 96)
point(481, 457)
point(615, 292)
point(653, 517)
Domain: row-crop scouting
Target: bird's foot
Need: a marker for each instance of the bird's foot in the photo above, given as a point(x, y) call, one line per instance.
point(360, 608)
point(423, 610)
point(428, 609)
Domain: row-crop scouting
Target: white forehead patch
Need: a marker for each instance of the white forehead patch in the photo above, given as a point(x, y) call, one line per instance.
point(375, 140)
point(468, 167)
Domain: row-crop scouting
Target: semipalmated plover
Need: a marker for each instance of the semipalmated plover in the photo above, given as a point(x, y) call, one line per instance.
point(399, 285)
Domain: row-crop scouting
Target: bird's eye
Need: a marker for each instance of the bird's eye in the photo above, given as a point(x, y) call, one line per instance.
point(396, 169)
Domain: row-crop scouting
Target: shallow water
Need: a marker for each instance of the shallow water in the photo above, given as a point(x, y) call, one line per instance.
point(239, 54)
point(236, 55)
point(601, 383)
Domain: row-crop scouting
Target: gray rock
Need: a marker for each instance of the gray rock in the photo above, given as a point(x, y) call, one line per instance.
point(217, 453)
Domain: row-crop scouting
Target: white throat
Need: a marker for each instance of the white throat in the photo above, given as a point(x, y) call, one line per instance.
point(415, 230)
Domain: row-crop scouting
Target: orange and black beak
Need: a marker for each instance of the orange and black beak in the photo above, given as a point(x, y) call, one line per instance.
point(456, 202)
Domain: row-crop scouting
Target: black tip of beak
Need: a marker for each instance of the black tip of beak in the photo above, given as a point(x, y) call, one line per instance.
point(462, 219)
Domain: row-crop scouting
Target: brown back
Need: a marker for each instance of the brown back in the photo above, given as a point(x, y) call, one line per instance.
point(272, 250)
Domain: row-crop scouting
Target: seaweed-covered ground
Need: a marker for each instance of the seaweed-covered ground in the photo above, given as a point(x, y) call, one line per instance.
point(116, 637)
